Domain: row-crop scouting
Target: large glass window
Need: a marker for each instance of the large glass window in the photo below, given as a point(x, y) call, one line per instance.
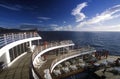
point(17, 50)
point(11, 51)
point(15, 53)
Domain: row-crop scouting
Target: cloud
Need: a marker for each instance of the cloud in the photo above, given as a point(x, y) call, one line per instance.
point(77, 12)
point(91, 28)
point(44, 18)
point(30, 24)
point(63, 28)
point(104, 28)
point(109, 14)
point(64, 22)
point(40, 21)
point(11, 7)
point(105, 21)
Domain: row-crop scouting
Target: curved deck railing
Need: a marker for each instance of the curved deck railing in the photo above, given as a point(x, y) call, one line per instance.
point(39, 49)
point(7, 38)
point(33, 74)
point(11, 37)
point(71, 54)
point(49, 45)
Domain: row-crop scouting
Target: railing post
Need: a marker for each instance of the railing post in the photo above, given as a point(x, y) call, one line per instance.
point(19, 36)
point(13, 37)
point(25, 35)
point(5, 39)
point(30, 34)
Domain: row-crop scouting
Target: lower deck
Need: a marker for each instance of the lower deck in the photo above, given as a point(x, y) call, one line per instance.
point(75, 61)
point(110, 72)
point(51, 57)
point(20, 68)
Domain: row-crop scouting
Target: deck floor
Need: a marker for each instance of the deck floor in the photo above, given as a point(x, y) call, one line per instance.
point(108, 74)
point(18, 70)
point(46, 65)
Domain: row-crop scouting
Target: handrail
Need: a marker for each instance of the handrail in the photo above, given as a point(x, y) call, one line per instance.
point(32, 70)
point(50, 44)
point(41, 48)
point(7, 38)
point(71, 53)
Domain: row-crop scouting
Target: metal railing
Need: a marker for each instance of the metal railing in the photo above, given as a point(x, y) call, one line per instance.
point(7, 38)
point(49, 45)
point(32, 72)
point(41, 48)
point(71, 53)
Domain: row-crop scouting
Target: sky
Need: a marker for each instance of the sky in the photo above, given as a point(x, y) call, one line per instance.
point(61, 15)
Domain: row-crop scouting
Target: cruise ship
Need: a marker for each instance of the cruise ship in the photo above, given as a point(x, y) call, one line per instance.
point(24, 55)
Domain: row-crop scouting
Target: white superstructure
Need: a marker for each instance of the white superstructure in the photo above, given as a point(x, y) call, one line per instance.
point(15, 44)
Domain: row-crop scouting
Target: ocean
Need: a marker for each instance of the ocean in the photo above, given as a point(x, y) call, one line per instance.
point(100, 40)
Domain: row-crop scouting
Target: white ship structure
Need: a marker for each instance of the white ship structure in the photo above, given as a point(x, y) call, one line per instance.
point(26, 56)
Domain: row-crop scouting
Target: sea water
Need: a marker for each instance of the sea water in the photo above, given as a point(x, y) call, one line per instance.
point(99, 40)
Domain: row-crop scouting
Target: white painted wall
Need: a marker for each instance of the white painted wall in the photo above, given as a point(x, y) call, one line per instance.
point(4, 51)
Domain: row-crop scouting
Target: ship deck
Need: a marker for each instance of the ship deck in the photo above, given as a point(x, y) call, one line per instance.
point(47, 65)
point(18, 70)
point(108, 74)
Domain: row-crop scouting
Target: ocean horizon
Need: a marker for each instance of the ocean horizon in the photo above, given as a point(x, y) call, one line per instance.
point(100, 40)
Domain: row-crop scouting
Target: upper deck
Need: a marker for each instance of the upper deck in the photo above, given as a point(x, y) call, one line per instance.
point(14, 43)
point(11, 36)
